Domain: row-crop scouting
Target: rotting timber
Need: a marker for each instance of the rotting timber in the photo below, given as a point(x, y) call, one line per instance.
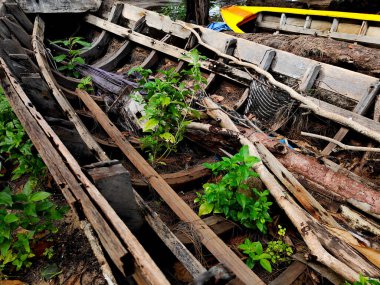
point(80, 160)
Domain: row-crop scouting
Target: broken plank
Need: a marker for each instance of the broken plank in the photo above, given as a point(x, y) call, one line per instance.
point(360, 109)
point(102, 41)
point(18, 31)
point(179, 178)
point(290, 274)
point(38, 37)
point(370, 124)
point(143, 262)
point(153, 57)
point(111, 61)
point(192, 265)
point(19, 14)
point(208, 238)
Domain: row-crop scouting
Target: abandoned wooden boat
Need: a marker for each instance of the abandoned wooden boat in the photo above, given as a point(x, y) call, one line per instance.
point(89, 146)
point(353, 27)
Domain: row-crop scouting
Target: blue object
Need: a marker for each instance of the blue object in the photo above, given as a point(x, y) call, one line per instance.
point(219, 26)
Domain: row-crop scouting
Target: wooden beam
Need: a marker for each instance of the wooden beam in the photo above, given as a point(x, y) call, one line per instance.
point(309, 78)
point(102, 41)
point(209, 239)
point(360, 109)
point(371, 124)
point(209, 64)
point(37, 39)
point(290, 274)
point(153, 57)
point(112, 60)
point(143, 261)
point(192, 265)
point(19, 14)
point(18, 31)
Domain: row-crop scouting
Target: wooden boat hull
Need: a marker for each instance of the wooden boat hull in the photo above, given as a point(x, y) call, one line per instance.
point(162, 38)
point(355, 27)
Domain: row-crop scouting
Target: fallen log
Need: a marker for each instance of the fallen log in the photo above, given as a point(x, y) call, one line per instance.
point(355, 193)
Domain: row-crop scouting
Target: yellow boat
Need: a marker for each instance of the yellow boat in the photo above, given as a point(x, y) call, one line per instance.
point(358, 27)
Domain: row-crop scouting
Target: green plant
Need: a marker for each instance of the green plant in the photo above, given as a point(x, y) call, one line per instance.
point(15, 146)
point(49, 252)
point(279, 251)
point(167, 107)
point(71, 59)
point(22, 216)
point(50, 271)
point(255, 253)
point(86, 84)
point(364, 281)
point(232, 195)
point(175, 12)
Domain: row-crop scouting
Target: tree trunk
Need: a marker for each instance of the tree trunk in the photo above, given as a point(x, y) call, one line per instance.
point(197, 11)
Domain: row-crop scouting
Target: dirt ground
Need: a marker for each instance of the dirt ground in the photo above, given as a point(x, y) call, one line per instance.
point(347, 55)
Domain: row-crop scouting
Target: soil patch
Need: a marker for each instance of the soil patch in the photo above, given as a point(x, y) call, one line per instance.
point(347, 55)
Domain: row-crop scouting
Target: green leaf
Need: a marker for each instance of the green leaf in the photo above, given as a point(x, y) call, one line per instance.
point(60, 58)
point(168, 137)
point(205, 209)
point(5, 199)
point(39, 196)
point(10, 218)
point(30, 210)
point(4, 247)
point(50, 271)
point(150, 125)
point(242, 199)
point(266, 265)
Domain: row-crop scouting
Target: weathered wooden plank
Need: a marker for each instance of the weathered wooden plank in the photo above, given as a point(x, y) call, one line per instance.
point(290, 274)
point(19, 14)
point(230, 47)
point(58, 6)
point(38, 37)
point(309, 77)
point(112, 60)
point(100, 44)
point(211, 65)
point(18, 31)
point(209, 239)
point(371, 124)
point(144, 263)
point(179, 178)
point(153, 57)
point(192, 265)
point(360, 109)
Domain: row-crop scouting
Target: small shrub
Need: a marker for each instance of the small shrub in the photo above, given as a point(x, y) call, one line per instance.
point(276, 252)
point(22, 217)
point(167, 107)
point(231, 195)
point(69, 61)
